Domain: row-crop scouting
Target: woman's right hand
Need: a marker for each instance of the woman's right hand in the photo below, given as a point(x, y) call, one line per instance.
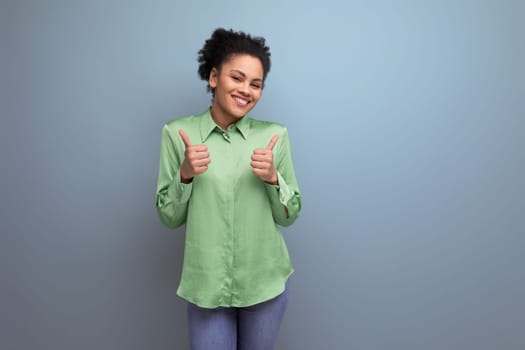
point(196, 159)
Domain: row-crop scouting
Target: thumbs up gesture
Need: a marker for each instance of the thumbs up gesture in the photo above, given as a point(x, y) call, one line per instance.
point(262, 162)
point(196, 159)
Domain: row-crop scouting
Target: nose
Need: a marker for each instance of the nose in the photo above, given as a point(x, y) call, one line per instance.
point(244, 88)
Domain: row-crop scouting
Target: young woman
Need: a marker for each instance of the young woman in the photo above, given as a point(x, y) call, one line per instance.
point(230, 179)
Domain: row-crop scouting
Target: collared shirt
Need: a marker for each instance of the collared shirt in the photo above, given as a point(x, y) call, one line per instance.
point(234, 253)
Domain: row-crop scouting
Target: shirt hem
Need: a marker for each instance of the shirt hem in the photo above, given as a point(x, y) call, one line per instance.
point(256, 301)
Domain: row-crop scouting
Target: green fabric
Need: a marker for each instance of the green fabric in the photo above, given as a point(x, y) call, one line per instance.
point(234, 253)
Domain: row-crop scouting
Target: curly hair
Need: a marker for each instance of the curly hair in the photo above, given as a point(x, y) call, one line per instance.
point(223, 44)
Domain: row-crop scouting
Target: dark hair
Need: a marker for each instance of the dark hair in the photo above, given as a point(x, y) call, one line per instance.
point(223, 44)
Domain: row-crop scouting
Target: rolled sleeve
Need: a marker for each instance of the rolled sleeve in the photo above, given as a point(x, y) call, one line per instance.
point(172, 195)
point(285, 197)
point(281, 193)
point(179, 192)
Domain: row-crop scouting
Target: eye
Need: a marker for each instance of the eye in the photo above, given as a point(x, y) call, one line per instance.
point(256, 86)
point(236, 78)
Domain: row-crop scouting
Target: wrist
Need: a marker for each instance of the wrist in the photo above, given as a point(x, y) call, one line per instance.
point(183, 178)
point(185, 181)
point(274, 180)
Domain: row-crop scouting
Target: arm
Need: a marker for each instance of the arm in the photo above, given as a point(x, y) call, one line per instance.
point(172, 195)
point(285, 197)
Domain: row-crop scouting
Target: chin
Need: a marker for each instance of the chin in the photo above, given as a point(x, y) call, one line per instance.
point(239, 114)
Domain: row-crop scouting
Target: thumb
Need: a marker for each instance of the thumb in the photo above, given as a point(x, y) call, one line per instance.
point(185, 138)
point(273, 141)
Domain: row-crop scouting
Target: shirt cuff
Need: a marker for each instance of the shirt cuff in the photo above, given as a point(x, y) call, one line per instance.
point(282, 190)
point(179, 192)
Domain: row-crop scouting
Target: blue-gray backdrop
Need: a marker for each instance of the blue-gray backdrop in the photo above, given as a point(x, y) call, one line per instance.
point(407, 127)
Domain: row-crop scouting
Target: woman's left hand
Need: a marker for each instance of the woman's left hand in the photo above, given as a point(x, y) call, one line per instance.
point(262, 162)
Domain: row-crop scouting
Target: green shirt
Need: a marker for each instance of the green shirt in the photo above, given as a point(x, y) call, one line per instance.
point(234, 253)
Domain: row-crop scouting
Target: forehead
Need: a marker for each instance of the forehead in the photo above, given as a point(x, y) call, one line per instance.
point(249, 65)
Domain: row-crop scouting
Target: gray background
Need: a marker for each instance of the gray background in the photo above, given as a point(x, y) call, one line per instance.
point(406, 120)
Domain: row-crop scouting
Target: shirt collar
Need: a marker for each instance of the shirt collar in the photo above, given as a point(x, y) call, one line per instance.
point(208, 125)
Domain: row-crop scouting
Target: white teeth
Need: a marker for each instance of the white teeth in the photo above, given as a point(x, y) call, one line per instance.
point(241, 101)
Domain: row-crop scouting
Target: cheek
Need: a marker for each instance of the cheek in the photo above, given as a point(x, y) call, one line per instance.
point(256, 93)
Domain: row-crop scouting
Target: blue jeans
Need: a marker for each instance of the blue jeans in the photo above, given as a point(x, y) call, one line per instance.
point(237, 328)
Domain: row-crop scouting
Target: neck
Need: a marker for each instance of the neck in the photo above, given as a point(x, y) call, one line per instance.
point(220, 118)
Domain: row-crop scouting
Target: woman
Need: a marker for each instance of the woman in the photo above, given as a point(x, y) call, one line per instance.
point(231, 180)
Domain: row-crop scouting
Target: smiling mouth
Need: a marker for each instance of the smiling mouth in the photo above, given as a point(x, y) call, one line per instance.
point(240, 101)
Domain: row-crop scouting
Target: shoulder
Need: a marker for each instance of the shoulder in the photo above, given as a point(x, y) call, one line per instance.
point(268, 126)
point(173, 125)
point(189, 124)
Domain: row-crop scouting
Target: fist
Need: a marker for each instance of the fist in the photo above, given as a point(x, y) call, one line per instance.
point(196, 159)
point(262, 162)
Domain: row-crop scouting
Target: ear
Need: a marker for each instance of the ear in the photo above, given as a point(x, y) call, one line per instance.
point(214, 76)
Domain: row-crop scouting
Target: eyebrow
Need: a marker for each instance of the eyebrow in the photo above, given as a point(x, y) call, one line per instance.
point(244, 75)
